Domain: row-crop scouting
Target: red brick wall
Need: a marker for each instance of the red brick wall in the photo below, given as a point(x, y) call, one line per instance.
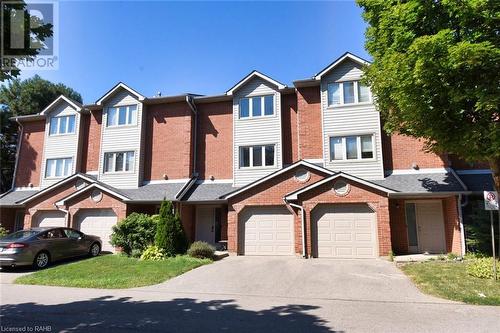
point(452, 225)
point(290, 128)
point(310, 130)
point(399, 232)
point(31, 154)
point(91, 140)
point(401, 151)
point(168, 141)
point(269, 193)
point(358, 194)
point(215, 140)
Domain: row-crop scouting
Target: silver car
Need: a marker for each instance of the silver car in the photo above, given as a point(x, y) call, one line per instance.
point(41, 246)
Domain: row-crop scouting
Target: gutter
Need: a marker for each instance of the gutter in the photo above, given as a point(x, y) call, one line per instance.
point(303, 223)
point(426, 194)
point(461, 220)
point(66, 212)
point(18, 151)
point(192, 106)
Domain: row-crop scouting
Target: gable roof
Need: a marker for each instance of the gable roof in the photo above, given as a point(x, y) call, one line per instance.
point(250, 76)
point(274, 174)
point(294, 195)
point(337, 61)
point(100, 186)
point(75, 104)
point(113, 90)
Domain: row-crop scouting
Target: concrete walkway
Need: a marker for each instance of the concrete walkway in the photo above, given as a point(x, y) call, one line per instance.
point(251, 294)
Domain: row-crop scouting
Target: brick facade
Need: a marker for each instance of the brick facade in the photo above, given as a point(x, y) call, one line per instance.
point(91, 140)
point(290, 128)
point(30, 155)
point(310, 141)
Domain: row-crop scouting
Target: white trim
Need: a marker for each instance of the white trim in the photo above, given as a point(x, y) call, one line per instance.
point(215, 181)
point(166, 181)
point(413, 171)
point(252, 75)
point(27, 188)
point(340, 174)
point(56, 185)
point(338, 61)
point(474, 172)
point(62, 97)
point(314, 160)
point(86, 188)
point(115, 88)
point(94, 173)
point(277, 173)
point(461, 219)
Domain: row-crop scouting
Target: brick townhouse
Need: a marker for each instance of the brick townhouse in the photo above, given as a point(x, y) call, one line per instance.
point(263, 169)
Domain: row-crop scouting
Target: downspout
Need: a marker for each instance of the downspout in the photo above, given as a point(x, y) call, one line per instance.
point(66, 217)
point(18, 152)
point(461, 218)
point(303, 220)
point(192, 106)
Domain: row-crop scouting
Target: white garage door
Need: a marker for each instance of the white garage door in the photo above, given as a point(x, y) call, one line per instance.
point(267, 231)
point(345, 231)
point(98, 222)
point(53, 218)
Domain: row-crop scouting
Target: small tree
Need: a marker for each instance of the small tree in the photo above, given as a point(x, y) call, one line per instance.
point(135, 232)
point(170, 234)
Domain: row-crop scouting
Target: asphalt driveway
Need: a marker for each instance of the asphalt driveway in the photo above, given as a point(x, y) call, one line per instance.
point(250, 294)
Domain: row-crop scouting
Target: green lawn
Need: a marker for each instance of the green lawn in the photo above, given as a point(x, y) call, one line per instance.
point(112, 271)
point(449, 280)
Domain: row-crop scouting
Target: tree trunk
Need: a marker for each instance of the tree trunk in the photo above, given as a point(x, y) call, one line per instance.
point(495, 168)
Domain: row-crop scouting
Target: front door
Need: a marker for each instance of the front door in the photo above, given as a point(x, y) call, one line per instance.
point(431, 227)
point(205, 224)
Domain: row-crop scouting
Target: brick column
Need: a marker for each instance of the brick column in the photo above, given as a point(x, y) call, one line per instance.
point(383, 226)
point(452, 225)
point(232, 230)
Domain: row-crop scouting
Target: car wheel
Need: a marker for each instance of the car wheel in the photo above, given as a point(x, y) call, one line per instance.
point(42, 260)
point(95, 249)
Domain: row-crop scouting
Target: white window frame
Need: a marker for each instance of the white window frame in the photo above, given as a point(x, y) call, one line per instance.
point(251, 148)
point(262, 107)
point(59, 124)
point(358, 148)
point(53, 171)
point(127, 113)
point(115, 153)
point(341, 94)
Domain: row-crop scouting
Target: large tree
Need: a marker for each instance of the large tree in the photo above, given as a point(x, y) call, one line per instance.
point(436, 73)
point(19, 98)
point(30, 28)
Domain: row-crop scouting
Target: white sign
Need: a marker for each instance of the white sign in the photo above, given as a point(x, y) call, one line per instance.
point(490, 200)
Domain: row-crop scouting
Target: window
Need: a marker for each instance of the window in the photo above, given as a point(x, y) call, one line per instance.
point(123, 115)
point(257, 156)
point(351, 147)
point(119, 161)
point(58, 167)
point(62, 125)
point(257, 106)
point(73, 234)
point(347, 92)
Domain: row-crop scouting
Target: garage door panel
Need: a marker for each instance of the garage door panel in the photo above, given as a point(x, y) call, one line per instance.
point(267, 231)
point(345, 231)
point(98, 223)
point(50, 219)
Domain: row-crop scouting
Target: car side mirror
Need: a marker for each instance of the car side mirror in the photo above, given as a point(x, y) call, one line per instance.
point(81, 237)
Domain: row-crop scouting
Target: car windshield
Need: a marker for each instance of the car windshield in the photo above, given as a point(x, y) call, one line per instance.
point(20, 235)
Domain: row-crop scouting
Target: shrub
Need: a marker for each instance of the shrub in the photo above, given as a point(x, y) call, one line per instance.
point(135, 232)
point(136, 253)
point(170, 234)
point(201, 250)
point(474, 255)
point(3, 231)
point(482, 268)
point(153, 253)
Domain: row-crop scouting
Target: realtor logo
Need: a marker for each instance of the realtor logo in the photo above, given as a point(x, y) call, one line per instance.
point(26, 38)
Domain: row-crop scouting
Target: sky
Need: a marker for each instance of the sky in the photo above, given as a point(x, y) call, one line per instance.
point(198, 47)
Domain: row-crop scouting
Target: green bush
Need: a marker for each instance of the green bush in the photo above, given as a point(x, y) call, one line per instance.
point(136, 253)
point(482, 267)
point(153, 253)
point(135, 232)
point(201, 250)
point(3, 231)
point(170, 234)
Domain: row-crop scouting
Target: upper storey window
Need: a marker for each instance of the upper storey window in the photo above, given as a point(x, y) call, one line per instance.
point(119, 161)
point(257, 156)
point(348, 92)
point(122, 115)
point(357, 147)
point(58, 167)
point(62, 125)
point(258, 106)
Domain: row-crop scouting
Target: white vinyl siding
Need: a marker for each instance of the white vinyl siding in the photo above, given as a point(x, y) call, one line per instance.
point(60, 145)
point(125, 138)
point(350, 120)
point(256, 131)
